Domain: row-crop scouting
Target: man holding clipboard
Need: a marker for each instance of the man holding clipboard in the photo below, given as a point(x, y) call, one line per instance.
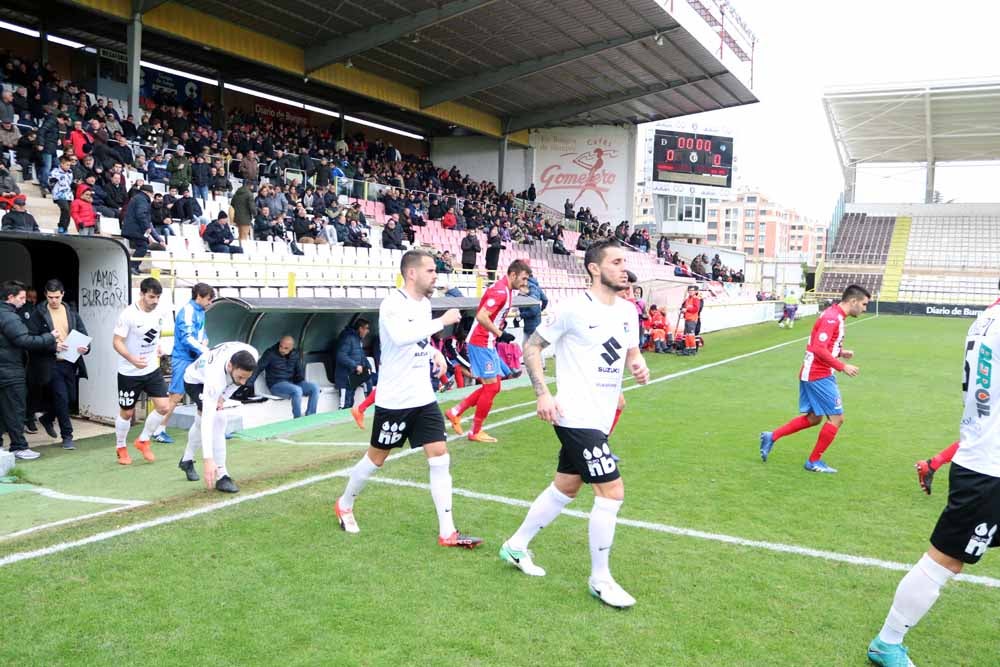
point(58, 373)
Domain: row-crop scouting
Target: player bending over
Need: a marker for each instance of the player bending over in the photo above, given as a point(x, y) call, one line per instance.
point(406, 407)
point(819, 395)
point(968, 526)
point(595, 336)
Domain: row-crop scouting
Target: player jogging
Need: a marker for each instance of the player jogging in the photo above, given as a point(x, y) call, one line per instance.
point(137, 342)
point(926, 469)
point(481, 348)
point(595, 336)
point(190, 341)
point(209, 381)
point(819, 395)
point(406, 407)
point(788, 312)
point(968, 526)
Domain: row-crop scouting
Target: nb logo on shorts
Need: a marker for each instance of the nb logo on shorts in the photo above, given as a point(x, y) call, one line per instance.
point(126, 398)
point(611, 347)
point(599, 461)
point(391, 433)
point(980, 542)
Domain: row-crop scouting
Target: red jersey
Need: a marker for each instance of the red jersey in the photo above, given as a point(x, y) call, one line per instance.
point(825, 344)
point(496, 301)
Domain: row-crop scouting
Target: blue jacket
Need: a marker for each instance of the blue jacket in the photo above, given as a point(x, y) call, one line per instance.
point(137, 216)
point(350, 355)
point(533, 316)
point(279, 368)
point(190, 339)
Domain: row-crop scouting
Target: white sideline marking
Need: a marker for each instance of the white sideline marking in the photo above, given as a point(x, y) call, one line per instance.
point(58, 495)
point(63, 522)
point(700, 534)
point(164, 520)
point(313, 443)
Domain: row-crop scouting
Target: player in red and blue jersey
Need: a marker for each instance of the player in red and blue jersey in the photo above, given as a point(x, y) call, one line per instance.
point(482, 352)
point(819, 395)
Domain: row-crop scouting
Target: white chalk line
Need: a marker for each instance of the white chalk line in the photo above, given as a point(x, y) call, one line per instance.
point(205, 509)
point(58, 495)
point(862, 561)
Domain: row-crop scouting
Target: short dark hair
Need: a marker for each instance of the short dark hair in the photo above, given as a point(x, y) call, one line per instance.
point(518, 266)
point(361, 322)
point(595, 253)
point(244, 361)
point(150, 285)
point(9, 288)
point(54, 285)
point(202, 289)
point(855, 292)
point(412, 258)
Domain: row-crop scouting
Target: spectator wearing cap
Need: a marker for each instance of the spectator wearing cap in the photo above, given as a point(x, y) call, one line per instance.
point(18, 219)
point(137, 227)
point(219, 236)
point(179, 169)
point(82, 211)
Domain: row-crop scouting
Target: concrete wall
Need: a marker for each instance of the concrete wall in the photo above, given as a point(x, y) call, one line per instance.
point(479, 158)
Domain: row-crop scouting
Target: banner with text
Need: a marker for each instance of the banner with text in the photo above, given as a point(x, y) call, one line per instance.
point(280, 113)
point(156, 84)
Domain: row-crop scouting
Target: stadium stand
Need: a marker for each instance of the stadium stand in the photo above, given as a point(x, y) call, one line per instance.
point(863, 239)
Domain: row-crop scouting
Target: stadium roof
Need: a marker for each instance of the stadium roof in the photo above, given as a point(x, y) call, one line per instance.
point(493, 66)
point(930, 122)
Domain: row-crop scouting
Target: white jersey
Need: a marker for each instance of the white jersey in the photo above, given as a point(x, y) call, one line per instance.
point(141, 331)
point(404, 329)
point(591, 341)
point(210, 370)
point(980, 429)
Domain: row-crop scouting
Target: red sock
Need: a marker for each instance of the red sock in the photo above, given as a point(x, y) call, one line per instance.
point(367, 403)
point(618, 414)
point(459, 378)
point(468, 402)
point(825, 439)
point(486, 395)
point(798, 424)
point(944, 456)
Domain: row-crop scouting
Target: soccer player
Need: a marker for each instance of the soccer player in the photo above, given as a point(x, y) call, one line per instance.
point(481, 347)
point(137, 342)
point(692, 313)
point(819, 395)
point(788, 312)
point(209, 381)
point(968, 526)
point(190, 342)
point(406, 407)
point(926, 469)
point(595, 336)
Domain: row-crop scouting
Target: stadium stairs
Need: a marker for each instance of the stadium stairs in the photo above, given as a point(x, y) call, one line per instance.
point(893, 275)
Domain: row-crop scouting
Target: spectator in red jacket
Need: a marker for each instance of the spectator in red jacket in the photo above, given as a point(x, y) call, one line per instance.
point(82, 211)
point(448, 220)
point(81, 140)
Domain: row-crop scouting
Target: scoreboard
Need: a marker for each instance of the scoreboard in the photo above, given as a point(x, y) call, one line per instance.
point(692, 159)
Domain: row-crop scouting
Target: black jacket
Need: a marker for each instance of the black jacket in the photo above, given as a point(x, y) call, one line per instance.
point(137, 217)
point(41, 322)
point(470, 248)
point(278, 368)
point(392, 239)
point(199, 173)
point(217, 233)
point(48, 135)
point(493, 248)
point(15, 341)
point(16, 221)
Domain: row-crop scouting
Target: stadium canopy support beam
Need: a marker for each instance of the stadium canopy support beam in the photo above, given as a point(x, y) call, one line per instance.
point(501, 162)
point(133, 44)
point(850, 183)
point(43, 42)
point(474, 83)
point(931, 164)
point(343, 47)
point(558, 112)
point(929, 183)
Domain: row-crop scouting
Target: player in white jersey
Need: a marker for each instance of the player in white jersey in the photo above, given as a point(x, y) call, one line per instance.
point(968, 526)
point(406, 406)
point(209, 381)
point(137, 342)
point(596, 335)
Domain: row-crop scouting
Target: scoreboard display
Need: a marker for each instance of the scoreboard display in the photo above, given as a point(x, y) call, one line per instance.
point(692, 159)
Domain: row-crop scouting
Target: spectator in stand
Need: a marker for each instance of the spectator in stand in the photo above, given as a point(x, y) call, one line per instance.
point(9, 135)
point(219, 237)
point(48, 138)
point(109, 196)
point(61, 185)
point(15, 340)
point(82, 211)
point(7, 106)
point(121, 149)
point(392, 235)
point(307, 231)
point(356, 236)
point(158, 170)
point(568, 209)
point(160, 216)
point(558, 245)
point(352, 368)
point(244, 210)
point(18, 219)
point(137, 227)
point(218, 182)
point(179, 168)
point(532, 193)
point(493, 248)
point(8, 186)
point(265, 229)
point(129, 129)
point(443, 263)
point(187, 209)
point(26, 152)
point(250, 169)
point(470, 250)
point(448, 220)
point(281, 365)
point(81, 140)
point(200, 178)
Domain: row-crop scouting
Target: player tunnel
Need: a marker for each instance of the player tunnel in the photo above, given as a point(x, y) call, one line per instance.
point(94, 271)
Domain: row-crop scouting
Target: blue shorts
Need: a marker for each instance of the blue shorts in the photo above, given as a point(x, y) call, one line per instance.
point(485, 362)
point(820, 397)
point(790, 311)
point(177, 368)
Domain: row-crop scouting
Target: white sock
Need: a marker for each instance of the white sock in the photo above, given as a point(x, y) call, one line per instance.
point(542, 512)
point(441, 492)
point(194, 440)
point(219, 445)
point(153, 422)
point(915, 595)
point(360, 473)
point(603, 517)
point(121, 431)
point(160, 429)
